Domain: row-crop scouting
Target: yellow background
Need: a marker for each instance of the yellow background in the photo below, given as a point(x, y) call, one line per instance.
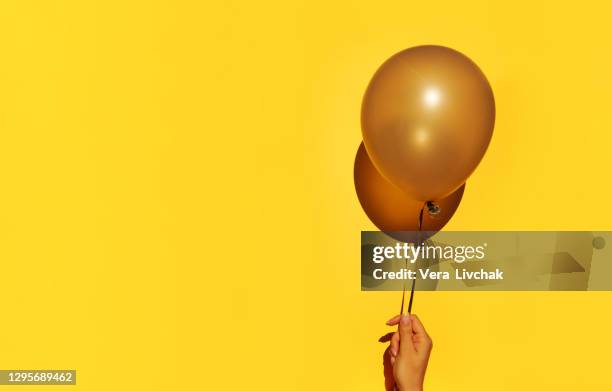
point(177, 208)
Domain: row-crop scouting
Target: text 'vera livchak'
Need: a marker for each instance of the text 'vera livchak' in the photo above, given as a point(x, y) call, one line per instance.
point(427, 274)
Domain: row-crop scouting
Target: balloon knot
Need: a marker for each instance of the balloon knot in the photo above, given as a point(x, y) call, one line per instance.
point(432, 208)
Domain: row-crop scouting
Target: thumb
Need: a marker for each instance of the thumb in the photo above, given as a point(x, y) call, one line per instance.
point(405, 332)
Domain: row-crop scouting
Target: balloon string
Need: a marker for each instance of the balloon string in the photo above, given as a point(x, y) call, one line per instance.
point(406, 264)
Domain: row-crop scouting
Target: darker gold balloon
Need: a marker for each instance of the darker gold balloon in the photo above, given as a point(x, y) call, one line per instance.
point(389, 208)
point(427, 119)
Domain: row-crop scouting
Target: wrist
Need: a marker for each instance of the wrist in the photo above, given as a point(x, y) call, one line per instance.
point(410, 388)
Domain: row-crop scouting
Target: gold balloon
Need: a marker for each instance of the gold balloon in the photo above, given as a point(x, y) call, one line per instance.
point(389, 208)
point(427, 119)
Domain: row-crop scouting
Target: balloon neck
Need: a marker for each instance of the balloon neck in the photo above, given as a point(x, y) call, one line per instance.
point(432, 208)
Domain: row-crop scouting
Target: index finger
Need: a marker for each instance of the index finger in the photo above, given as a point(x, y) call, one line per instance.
point(394, 321)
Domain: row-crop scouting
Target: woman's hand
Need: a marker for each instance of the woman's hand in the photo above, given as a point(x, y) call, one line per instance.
point(409, 348)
